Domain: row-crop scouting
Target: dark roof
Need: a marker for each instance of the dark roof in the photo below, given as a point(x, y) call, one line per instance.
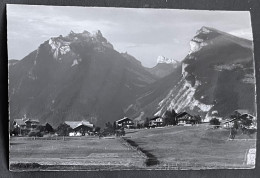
point(154, 118)
point(123, 119)
point(182, 114)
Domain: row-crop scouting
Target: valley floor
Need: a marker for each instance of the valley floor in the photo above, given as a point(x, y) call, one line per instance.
point(173, 147)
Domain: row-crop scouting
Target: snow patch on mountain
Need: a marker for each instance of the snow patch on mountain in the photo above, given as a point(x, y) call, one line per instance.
point(162, 59)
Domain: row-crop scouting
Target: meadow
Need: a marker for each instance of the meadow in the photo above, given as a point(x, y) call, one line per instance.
point(195, 147)
point(173, 147)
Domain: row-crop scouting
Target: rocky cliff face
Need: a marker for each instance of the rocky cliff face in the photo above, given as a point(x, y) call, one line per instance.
point(215, 78)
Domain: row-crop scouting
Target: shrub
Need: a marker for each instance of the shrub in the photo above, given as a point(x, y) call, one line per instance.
point(35, 134)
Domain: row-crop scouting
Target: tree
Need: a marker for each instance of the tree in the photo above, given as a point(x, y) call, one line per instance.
point(139, 126)
point(64, 129)
point(146, 122)
point(48, 128)
point(236, 125)
point(245, 121)
point(233, 133)
point(16, 131)
point(170, 117)
point(197, 118)
point(114, 126)
point(215, 122)
point(109, 129)
point(97, 129)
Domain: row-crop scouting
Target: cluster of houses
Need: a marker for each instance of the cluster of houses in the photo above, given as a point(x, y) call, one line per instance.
point(81, 128)
point(183, 118)
point(186, 119)
point(27, 125)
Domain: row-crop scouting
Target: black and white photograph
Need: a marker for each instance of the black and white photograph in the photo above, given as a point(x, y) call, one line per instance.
point(105, 88)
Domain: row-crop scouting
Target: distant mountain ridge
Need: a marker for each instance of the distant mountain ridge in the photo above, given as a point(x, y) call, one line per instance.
point(81, 76)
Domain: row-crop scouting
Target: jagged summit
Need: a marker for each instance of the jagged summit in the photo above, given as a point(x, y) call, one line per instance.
point(62, 45)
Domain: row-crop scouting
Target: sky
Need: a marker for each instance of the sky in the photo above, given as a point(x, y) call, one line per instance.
point(142, 32)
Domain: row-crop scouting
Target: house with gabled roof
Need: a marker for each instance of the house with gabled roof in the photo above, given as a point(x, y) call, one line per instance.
point(19, 123)
point(156, 122)
point(80, 127)
point(25, 125)
point(124, 122)
point(184, 118)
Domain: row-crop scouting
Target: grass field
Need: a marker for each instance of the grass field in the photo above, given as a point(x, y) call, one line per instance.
point(92, 152)
point(197, 146)
point(175, 147)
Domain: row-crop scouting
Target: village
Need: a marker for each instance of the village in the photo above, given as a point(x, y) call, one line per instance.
point(28, 127)
point(167, 142)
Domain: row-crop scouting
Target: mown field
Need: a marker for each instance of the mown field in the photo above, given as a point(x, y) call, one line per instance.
point(174, 147)
point(74, 152)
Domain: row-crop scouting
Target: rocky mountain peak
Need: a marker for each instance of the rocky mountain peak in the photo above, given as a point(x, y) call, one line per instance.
point(62, 45)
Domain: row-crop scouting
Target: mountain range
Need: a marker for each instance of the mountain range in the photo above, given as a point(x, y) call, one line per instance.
point(81, 76)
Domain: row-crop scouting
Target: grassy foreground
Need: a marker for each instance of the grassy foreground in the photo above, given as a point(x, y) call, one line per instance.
point(194, 147)
point(174, 147)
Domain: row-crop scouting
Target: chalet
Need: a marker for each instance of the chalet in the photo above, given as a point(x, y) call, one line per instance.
point(79, 127)
point(19, 123)
point(32, 123)
point(184, 118)
point(26, 123)
point(24, 126)
point(124, 122)
point(156, 122)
